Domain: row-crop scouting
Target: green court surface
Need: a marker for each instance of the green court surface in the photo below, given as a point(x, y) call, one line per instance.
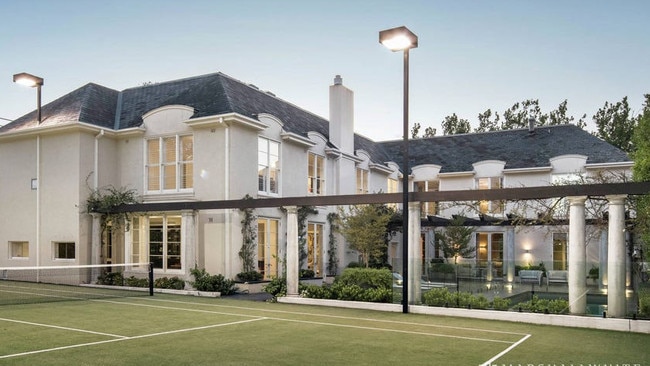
point(181, 330)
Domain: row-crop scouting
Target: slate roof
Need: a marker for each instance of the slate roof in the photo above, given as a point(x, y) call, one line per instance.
point(218, 93)
point(518, 148)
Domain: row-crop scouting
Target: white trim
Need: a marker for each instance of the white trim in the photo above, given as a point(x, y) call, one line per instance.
point(222, 120)
point(300, 140)
point(621, 164)
point(540, 169)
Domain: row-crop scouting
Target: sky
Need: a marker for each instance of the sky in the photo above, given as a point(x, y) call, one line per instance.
point(472, 55)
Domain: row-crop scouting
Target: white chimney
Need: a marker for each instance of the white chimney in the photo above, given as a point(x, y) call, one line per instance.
point(341, 116)
point(531, 124)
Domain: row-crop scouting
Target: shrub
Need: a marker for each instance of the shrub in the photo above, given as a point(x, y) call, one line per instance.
point(355, 265)
point(366, 278)
point(203, 281)
point(500, 304)
point(173, 283)
point(319, 292)
point(249, 276)
point(136, 282)
point(111, 279)
point(537, 305)
point(307, 273)
point(437, 297)
point(277, 287)
point(644, 303)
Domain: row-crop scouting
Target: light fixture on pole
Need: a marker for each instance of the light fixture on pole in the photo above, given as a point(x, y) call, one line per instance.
point(31, 81)
point(402, 39)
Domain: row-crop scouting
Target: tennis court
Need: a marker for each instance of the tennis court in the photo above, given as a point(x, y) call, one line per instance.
point(107, 329)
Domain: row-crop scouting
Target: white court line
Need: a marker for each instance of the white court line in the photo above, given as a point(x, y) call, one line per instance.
point(392, 330)
point(318, 323)
point(489, 362)
point(62, 328)
point(335, 316)
point(128, 338)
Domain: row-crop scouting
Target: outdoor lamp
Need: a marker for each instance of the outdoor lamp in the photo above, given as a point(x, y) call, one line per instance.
point(32, 81)
point(402, 39)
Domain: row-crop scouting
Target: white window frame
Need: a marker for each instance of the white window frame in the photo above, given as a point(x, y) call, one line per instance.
point(178, 164)
point(265, 164)
point(315, 175)
point(428, 208)
point(55, 250)
point(494, 206)
point(140, 243)
point(363, 177)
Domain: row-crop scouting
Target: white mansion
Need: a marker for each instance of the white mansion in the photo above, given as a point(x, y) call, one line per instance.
point(212, 137)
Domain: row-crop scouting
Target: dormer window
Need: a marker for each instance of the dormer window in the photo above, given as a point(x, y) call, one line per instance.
point(170, 164)
point(362, 181)
point(268, 166)
point(316, 175)
point(428, 208)
point(490, 207)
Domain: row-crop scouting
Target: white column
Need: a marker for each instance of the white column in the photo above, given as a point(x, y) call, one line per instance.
point(509, 265)
point(96, 243)
point(415, 254)
point(188, 240)
point(292, 251)
point(602, 270)
point(616, 306)
point(577, 256)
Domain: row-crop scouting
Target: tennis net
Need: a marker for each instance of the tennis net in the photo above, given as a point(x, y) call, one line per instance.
point(24, 285)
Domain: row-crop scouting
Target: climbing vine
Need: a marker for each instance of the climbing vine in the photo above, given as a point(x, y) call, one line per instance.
point(303, 213)
point(249, 238)
point(332, 252)
point(105, 201)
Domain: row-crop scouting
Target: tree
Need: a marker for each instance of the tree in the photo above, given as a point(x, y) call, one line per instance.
point(428, 132)
point(365, 227)
point(641, 171)
point(452, 125)
point(517, 115)
point(615, 124)
point(486, 123)
point(559, 116)
point(455, 240)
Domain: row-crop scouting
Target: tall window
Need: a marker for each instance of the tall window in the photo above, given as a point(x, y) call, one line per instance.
point(560, 251)
point(490, 207)
point(489, 253)
point(19, 249)
point(165, 242)
point(268, 166)
point(362, 181)
point(316, 175)
point(267, 247)
point(315, 248)
point(428, 208)
point(391, 187)
point(64, 250)
point(170, 166)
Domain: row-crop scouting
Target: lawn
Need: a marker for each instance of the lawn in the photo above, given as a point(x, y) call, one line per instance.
point(177, 330)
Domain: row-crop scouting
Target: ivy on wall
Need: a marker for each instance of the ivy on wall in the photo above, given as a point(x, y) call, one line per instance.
point(249, 238)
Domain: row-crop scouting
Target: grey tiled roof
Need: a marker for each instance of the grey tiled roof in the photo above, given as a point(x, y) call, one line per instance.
point(91, 103)
point(518, 148)
point(218, 93)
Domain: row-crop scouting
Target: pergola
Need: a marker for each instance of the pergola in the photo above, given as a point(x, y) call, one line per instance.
point(614, 193)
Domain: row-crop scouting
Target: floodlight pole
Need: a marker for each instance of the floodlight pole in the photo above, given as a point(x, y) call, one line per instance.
point(402, 39)
point(405, 188)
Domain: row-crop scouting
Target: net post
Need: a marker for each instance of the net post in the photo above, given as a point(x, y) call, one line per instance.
point(150, 278)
